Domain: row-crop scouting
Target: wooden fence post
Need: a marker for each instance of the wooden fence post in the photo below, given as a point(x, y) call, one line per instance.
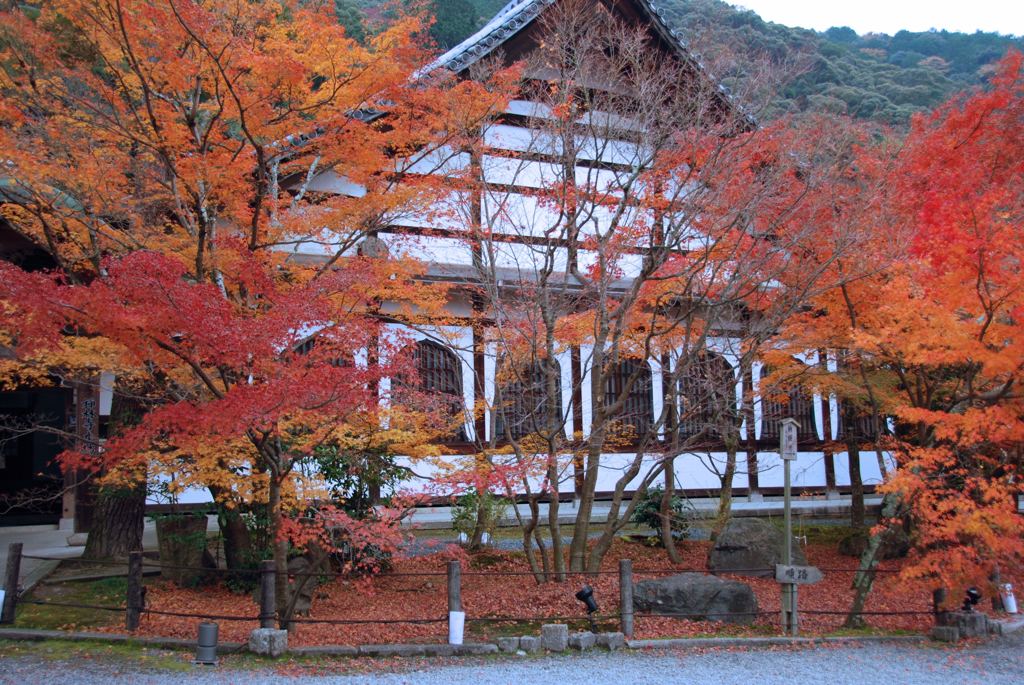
point(268, 596)
point(626, 596)
point(938, 599)
point(11, 582)
point(456, 617)
point(134, 604)
point(454, 586)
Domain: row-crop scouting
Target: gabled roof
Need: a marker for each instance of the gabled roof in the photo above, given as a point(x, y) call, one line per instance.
point(510, 20)
point(517, 15)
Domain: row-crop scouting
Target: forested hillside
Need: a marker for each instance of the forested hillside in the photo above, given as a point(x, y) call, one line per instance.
point(871, 76)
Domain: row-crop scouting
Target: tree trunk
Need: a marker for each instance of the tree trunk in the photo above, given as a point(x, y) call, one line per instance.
point(238, 551)
point(280, 548)
point(117, 522)
point(856, 485)
point(666, 513)
point(527, 528)
point(865, 576)
point(557, 556)
point(581, 529)
point(117, 517)
point(725, 494)
point(476, 540)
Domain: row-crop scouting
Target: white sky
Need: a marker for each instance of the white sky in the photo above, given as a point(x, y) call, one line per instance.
point(889, 16)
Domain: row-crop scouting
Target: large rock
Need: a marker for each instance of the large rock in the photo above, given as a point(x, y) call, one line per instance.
point(303, 579)
point(750, 547)
point(303, 584)
point(697, 596)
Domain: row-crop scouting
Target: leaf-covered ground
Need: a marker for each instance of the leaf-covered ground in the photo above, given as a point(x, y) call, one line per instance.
point(495, 584)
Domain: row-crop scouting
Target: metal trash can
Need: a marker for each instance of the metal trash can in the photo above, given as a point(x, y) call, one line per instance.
point(206, 644)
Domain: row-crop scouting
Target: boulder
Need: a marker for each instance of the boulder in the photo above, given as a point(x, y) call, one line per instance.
point(750, 547)
point(697, 596)
point(301, 583)
point(303, 579)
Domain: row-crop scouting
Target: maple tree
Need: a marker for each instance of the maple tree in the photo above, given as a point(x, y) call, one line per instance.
point(165, 153)
point(931, 338)
point(952, 334)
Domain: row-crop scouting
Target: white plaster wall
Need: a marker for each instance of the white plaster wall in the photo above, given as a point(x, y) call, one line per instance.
point(699, 470)
point(436, 250)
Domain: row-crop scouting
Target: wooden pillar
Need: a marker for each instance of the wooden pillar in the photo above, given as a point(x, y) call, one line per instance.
point(268, 594)
point(753, 488)
point(626, 597)
point(479, 378)
point(576, 368)
point(134, 603)
point(826, 431)
point(87, 441)
point(454, 586)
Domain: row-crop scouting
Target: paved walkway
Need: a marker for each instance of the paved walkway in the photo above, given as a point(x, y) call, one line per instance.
point(48, 541)
point(992, 662)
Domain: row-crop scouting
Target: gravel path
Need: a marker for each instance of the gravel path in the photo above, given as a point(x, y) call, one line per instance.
point(995, 662)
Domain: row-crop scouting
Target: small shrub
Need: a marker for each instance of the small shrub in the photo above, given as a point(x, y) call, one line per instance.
point(466, 508)
point(648, 513)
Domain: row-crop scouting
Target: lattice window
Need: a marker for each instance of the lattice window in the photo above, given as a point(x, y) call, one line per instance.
point(707, 397)
point(523, 403)
point(440, 373)
point(774, 408)
point(306, 347)
point(637, 413)
point(858, 423)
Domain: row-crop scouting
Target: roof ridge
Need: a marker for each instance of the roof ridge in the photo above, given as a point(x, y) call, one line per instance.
point(507, 22)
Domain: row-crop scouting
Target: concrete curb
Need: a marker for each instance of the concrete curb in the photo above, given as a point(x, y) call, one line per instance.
point(1010, 625)
point(705, 642)
point(34, 576)
point(411, 649)
point(393, 650)
point(471, 649)
point(120, 638)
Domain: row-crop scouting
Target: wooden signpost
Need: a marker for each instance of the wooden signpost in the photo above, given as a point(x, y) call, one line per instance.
point(787, 450)
point(798, 575)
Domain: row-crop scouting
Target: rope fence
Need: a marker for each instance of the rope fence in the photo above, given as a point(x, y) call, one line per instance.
point(428, 574)
point(268, 616)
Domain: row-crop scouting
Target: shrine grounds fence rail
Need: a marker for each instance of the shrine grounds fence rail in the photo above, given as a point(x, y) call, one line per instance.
point(267, 616)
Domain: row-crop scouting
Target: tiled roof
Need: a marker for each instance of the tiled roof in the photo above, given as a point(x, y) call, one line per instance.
point(511, 19)
point(518, 14)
